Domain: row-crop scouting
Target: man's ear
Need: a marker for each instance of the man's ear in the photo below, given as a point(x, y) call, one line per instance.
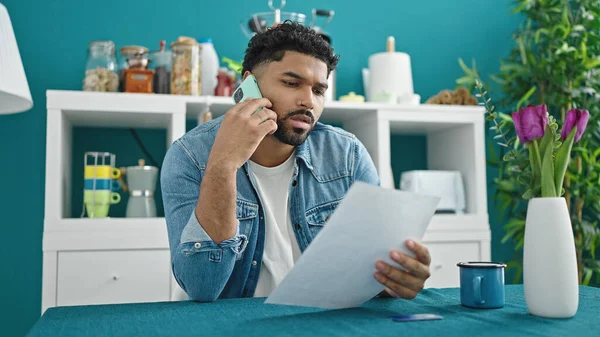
point(246, 74)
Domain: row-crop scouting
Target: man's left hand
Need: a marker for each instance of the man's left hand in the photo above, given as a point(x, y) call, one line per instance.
point(405, 284)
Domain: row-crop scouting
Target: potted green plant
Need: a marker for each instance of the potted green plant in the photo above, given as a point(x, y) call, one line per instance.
point(555, 62)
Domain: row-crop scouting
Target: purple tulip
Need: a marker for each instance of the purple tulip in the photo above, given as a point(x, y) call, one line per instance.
point(530, 122)
point(575, 117)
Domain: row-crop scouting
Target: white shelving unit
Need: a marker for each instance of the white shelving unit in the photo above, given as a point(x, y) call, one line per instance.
point(118, 260)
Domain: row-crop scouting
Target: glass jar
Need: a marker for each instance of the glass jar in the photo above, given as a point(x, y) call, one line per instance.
point(185, 67)
point(101, 67)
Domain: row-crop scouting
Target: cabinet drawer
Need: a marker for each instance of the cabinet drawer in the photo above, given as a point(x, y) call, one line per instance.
point(445, 256)
point(107, 277)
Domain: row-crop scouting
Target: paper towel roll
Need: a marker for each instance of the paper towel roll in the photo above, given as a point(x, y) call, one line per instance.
point(391, 73)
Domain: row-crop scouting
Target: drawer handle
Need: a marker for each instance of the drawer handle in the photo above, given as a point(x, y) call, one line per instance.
point(115, 277)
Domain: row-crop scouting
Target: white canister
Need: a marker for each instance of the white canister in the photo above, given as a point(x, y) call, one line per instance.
point(210, 66)
point(389, 75)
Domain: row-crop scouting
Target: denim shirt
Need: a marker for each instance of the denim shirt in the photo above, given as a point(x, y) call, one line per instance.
point(326, 165)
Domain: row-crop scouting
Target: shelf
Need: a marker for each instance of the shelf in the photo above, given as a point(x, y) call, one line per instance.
point(155, 110)
point(404, 118)
point(115, 109)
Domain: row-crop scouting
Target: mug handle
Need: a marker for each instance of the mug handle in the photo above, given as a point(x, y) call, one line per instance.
point(115, 173)
point(477, 289)
point(116, 185)
point(115, 198)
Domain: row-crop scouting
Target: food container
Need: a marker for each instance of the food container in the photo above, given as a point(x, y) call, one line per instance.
point(185, 73)
point(161, 63)
point(101, 67)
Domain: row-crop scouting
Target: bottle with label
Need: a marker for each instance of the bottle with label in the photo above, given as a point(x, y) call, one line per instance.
point(210, 66)
point(224, 83)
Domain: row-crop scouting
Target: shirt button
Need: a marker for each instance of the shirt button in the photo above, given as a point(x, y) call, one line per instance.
point(197, 245)
point(261, 217)
point(254, 263)
point(298, 226)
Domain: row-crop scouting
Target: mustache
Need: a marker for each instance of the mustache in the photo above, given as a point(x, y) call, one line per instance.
point(301, 112)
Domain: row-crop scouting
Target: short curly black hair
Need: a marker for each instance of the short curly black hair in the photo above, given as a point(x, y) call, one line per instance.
point(289, 36)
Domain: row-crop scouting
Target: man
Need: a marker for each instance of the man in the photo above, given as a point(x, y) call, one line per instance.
point(246, 193)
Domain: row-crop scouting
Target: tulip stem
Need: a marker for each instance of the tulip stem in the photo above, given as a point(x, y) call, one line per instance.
point(538, 157)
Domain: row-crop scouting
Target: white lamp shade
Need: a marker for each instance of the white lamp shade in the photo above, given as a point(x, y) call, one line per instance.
point(14, 90)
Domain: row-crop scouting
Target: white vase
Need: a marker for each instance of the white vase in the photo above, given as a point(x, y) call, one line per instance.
point(550, 278)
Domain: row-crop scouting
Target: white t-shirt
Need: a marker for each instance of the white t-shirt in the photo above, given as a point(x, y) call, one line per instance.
point(281, 248)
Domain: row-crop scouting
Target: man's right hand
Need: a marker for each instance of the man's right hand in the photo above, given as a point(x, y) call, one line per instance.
point(241, 132)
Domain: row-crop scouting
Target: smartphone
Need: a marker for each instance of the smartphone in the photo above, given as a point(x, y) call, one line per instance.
point(247, 89)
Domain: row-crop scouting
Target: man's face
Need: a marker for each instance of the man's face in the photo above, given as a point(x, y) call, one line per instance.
point(296, 86)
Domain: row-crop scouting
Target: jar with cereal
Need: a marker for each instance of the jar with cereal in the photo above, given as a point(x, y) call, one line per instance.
point(185, 67)
point(101, 67)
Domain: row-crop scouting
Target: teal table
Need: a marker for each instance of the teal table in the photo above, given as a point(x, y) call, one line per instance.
point(250, 317)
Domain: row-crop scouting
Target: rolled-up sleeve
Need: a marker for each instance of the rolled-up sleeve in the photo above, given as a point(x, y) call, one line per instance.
point(200, 266)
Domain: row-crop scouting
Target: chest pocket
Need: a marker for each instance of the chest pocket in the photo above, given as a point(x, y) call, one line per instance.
point(317, 217)
point(246, 213)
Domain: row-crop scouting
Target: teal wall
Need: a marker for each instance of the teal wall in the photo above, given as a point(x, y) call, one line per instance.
point(53, 37)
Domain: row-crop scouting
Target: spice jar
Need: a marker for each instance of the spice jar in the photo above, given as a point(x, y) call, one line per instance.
point(101, 67)
point(185, 72)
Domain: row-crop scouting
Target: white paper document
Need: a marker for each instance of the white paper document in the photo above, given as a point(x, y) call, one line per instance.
point(336, 270)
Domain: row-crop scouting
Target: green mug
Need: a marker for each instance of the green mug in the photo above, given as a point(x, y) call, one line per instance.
point(97, 210)
point(101, 197)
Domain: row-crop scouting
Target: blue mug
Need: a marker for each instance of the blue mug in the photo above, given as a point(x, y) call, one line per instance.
point(102, 184)
point(482, 284)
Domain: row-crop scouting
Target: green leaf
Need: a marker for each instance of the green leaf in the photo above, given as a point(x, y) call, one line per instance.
point(597, 153)
point(464, 67)
point(593, 246)
point(546, 140)
point(509, 156)
point(536, 169)
point(524, 180)
point(592, 63)
point(509, 234)
point(514, 168)
point(520, 243)
point(528, 195)
point(548, 184)
point(525, 97)
point(563, 155)
point(587, 276)
point(522, 50)
point(506, 117)
point(539, 32)
point(520, 7)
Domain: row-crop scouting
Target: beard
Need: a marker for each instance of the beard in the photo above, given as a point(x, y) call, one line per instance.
point(290, 135)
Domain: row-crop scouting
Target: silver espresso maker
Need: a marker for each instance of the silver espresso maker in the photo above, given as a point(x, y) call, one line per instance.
point(141, 184)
